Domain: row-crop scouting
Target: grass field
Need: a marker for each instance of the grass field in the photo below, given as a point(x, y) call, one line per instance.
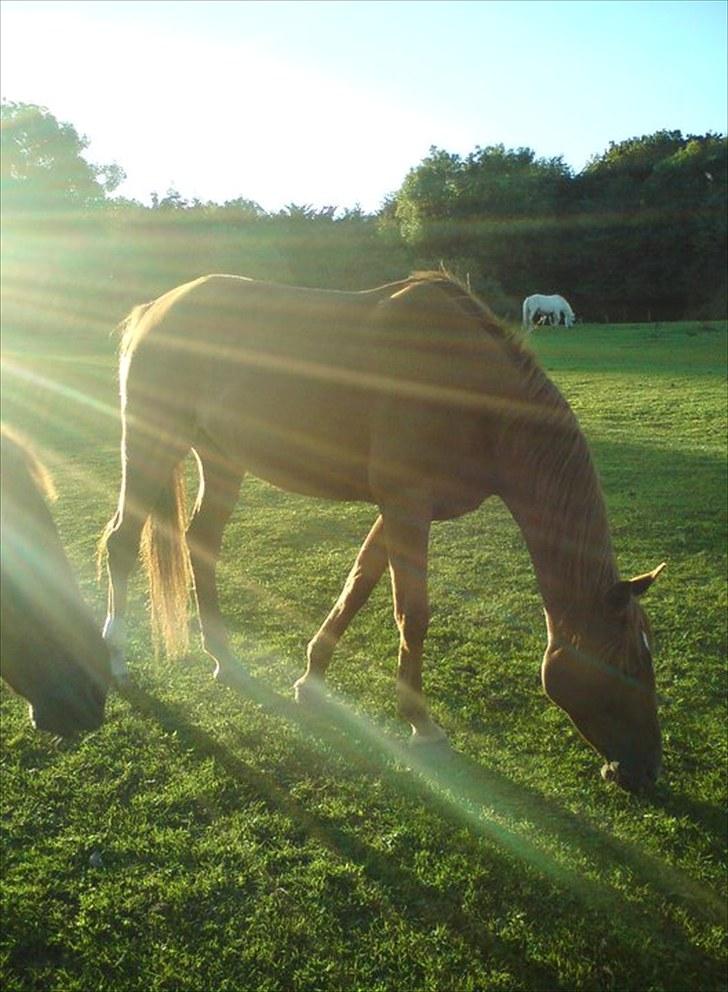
point(202, 841)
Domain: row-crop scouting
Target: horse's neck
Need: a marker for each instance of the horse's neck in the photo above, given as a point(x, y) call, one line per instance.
point(551, 488)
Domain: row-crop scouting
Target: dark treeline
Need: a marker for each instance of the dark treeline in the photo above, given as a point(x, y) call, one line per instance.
point(639, 234)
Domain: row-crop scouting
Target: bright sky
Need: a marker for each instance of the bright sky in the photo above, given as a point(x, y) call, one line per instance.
point(331, 103)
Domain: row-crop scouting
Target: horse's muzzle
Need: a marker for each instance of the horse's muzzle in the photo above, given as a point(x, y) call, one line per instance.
point(72, 713)
point(629, 778)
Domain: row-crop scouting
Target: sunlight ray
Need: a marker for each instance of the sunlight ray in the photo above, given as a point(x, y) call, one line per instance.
point(504, 814)
point(27, 376)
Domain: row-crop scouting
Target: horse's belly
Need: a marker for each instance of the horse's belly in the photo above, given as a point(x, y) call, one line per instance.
point(312, 464)
point(300, 440)
point(322, 481)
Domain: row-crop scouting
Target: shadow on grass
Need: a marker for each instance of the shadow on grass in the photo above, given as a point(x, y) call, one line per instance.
point(475, 788)
point(678, 495)
point(422, 904)
point(516, 823)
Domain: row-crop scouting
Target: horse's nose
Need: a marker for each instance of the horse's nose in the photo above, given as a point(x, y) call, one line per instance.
point(631, 779)
point(71, 710)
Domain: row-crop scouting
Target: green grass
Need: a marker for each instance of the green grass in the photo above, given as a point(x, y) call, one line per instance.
point(201, 840)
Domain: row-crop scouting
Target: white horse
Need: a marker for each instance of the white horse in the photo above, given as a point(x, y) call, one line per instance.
point(552, 307)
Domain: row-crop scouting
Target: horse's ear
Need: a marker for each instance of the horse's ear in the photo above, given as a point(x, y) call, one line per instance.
point(621, 592)
point(641, 583)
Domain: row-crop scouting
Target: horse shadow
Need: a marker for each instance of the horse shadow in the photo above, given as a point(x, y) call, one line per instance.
point(478, 789)
point(500, 817)
point(414, 899)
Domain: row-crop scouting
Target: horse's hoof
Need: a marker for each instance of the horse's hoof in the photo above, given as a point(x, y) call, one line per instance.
point(433, 737)
point(308, 691)
point(233, 678)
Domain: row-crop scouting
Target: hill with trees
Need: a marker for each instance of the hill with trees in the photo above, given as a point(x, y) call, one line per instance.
point(638, 235)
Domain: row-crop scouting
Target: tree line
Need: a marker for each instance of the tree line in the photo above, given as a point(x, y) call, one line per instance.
point(639, 234)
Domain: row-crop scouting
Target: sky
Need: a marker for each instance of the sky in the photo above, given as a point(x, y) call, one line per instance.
point(332, 103)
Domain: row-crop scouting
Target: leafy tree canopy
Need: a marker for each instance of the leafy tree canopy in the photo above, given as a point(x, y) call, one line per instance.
point(636, 157)
point(43, 167)
point(493, 182)
point(662, 170)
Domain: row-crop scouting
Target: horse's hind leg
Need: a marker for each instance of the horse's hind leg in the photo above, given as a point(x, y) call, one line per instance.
point(147, 466)
point(367, 570)
point(204, 540)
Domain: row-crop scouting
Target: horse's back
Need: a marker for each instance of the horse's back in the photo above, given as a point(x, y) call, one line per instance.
point(222, 312)
point(315, 390)
point(278, 377)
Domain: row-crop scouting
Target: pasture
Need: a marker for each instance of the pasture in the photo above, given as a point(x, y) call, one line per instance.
point(201, 840)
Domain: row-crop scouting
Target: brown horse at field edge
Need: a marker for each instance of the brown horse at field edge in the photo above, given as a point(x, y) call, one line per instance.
point(411, 397)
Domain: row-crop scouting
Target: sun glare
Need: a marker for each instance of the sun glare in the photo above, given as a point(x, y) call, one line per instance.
point(275, 129)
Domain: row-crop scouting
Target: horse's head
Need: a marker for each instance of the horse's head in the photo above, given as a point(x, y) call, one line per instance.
point(64, 683)
point(51, 651)
point(604, 680)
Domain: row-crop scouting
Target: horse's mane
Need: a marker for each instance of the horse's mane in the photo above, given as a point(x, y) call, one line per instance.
point(535, 380)
point(568, 495)
point(464, 295)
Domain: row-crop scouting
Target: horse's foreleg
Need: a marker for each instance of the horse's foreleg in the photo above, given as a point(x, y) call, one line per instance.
point(204, 540)
point(367, 570)
point(407, 530)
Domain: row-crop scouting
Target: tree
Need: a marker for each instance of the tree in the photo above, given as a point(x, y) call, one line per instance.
point(43, 168)
point(428, 198)
point(657, 249)
point(488, 214)
point(172, 200)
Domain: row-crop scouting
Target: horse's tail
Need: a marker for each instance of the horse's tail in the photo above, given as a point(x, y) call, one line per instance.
point(525, 313)
point(167, 563)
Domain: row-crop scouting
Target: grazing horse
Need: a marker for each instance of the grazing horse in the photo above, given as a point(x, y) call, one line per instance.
point(411, 397)
point(51, 651)
point(553, 308)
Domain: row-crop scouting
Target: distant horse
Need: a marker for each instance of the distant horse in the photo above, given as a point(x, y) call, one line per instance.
point(553, 308)
point(51, 651)
point(411, 397)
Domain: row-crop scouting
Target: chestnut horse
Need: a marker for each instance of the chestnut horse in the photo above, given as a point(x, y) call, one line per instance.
point(411, 397)
point(51, 653)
